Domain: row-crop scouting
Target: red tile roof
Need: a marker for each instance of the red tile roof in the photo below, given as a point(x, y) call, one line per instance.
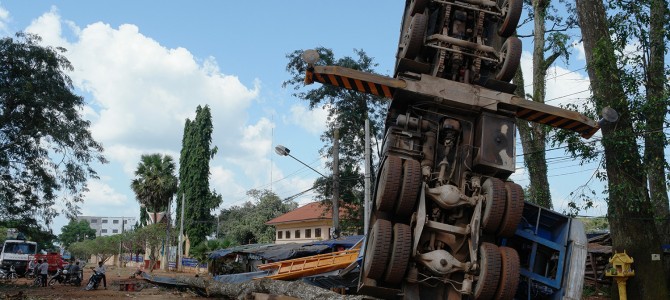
point(309, 212)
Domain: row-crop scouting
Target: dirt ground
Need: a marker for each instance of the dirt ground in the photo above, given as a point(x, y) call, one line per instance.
point(114, 275)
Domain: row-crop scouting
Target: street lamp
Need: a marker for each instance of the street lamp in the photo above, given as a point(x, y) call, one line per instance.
point(283, 151)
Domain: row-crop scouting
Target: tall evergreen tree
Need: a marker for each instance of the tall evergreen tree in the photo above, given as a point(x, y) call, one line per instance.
point(194, 174)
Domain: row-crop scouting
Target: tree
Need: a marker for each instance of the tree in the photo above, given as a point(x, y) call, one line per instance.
point(152, 236)
point(351, 186)
point(347, 111)
point(645, 79)
point(202, 250)
point(246, 224)
point(46, 148)
point(155, 182)
point(548, 45)
point(194, 177)
point(144, 217)
point(76, 232)
point(103, 247)
point(630, 211)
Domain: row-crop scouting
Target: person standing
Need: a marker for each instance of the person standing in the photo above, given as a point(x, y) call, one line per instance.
point(74, 273)
point(102, 270)
point(44, 270)
point(32, 267)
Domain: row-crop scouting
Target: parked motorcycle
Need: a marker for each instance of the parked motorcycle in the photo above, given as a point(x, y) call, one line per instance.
point(9, 275)
point(94, 281)
point(59, 277)
point(63, 277)
point(31, 273)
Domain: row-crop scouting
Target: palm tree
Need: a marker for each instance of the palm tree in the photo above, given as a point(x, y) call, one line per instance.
point(155, 182)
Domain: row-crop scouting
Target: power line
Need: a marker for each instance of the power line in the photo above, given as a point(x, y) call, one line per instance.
point(560, 75)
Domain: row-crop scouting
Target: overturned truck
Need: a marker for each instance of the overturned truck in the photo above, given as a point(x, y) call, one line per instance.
point(445, 222)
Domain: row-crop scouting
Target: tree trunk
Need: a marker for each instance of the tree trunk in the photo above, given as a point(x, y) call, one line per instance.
point(656, 109)
point(295, 289)
point(533, 135)
point(630, 211)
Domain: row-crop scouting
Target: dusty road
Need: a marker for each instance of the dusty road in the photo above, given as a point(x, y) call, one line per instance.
point(114, 275)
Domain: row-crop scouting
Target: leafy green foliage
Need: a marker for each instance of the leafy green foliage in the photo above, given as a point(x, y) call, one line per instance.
point(46, 148)
point(246, 224)
point(103, 247)
point(351, 195)
point(347, 111)
point(194, 177)
point(134, 242)
point(155, 182)
point(595, 224)
point(76, 232)
point(144, 217)
point(202, 250)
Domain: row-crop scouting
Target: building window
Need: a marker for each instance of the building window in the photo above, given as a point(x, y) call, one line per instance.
point(104, 221)
point(288, 234)
point(103, 231)
point(317, 232)
point(94, 221)
point(115, 231)
point(297, 234)
point(280, 235)
point(115, 221)
point(308, 233)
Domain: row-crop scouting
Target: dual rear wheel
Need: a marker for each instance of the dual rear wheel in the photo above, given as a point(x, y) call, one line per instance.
point(390, 246)
point(499, 273)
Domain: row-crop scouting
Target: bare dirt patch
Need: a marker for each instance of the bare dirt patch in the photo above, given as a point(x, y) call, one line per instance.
point(23, 289)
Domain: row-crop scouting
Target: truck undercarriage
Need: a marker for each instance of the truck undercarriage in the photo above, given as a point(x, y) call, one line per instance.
point(445, 220)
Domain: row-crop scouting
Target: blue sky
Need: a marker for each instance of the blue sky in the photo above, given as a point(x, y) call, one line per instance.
point(144, 66)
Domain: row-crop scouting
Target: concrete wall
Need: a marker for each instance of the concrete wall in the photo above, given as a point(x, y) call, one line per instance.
point(105, 226)
point(302, 228)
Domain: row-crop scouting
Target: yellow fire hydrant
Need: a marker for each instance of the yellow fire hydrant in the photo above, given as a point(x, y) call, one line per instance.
point(622, 269)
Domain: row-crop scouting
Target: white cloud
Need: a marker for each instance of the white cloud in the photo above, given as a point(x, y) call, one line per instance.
point(563, 86)
point(4, 19)
point(101, 196)
point(143, 91)
point(581, 54)
point(314, 121)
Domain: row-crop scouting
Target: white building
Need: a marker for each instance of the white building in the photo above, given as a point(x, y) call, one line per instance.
point(105, 226)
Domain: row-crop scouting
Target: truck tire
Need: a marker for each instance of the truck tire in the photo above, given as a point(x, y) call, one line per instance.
point(511, 55)
point(418, 6)
point(409, 191)
point(400, 253)
point(489, 272)
point(494, 191)
point(377, 249)
point(509, 274)
point(512, 13)
point(513, 210)
point(389, 184)
point(413, 38)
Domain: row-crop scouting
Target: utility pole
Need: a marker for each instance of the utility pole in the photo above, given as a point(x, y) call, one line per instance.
point(218, 220)
point(121, 244)
point(336, 183)
point(166, 249)
point(180, 251)
point(366, 201)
